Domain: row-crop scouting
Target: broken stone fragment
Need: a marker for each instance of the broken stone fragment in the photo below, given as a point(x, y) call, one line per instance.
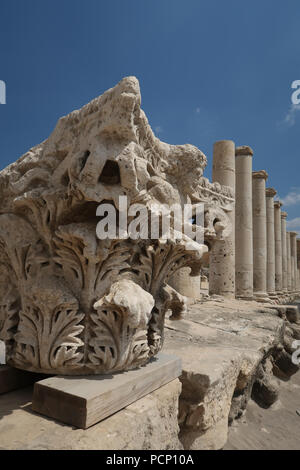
point(72, 303)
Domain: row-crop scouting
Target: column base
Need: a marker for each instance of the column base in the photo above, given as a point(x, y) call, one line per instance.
point(261, 297)
point(273, 297)
point(272, 294)
point(244, 297)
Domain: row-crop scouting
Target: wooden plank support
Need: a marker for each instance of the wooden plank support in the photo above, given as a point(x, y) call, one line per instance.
point(12, 379)
point(84, 401)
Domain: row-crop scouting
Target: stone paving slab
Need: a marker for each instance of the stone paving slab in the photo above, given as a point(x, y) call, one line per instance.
point(150, 423)
point(221, 344)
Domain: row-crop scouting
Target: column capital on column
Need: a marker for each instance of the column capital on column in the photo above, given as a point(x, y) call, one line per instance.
point(271, 192)
point(277, 204)
point(222, 256)
point(293, 234)
point(283, 215)
point(224, 141)
point(262, 174)
point(243, 151)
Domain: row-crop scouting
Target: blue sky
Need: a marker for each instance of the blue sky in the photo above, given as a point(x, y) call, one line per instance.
point(208, 70)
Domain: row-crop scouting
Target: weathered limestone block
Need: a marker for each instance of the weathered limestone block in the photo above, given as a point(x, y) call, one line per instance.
point(265, 390)
point(72, 303)
point(206, 398)
point(283, 365)
point(295, 331)
point(292, 314)
point(221, 346)
point(150, 423)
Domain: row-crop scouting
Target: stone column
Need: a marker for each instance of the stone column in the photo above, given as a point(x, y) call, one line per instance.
point(289, 262)
point(297, 264)
point(298, 259)
point(222, 255)
point(296, 267)
point(278, 247)
point(293, 260)
point(185, 284)
point(270, 193)
point(243, 223)
point(259, 234)
point(284, 252)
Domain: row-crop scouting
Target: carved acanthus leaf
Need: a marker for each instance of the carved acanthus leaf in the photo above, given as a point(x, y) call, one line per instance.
point(116, 344)
point(49, 341)
point(120, 333)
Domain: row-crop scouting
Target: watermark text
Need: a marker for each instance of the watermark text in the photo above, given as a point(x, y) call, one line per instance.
point(295, 98)
point(2, 92)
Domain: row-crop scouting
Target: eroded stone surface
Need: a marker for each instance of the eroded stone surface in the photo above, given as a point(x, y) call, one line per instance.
point(69, 302)
point(222, 346)
point(259, 234)
point(229, 351)
point(244, 223)
point(148, 424)
point(222, 251)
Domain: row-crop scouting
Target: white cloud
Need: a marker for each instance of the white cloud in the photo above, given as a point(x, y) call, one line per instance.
point(291, 116)
point(198, 110)
point(292, 198)
point(293, 224)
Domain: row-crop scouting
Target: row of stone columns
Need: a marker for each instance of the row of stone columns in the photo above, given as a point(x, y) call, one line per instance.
point(259, 260)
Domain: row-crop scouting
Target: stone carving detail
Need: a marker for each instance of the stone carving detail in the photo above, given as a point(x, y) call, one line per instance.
point(71, 303)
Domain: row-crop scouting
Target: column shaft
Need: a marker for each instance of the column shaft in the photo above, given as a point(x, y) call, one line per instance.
point(284, 252)
point(289, 262)
point(243, 223)
point(259, 233)
point(185, 284)
point(270, 193)
point(222, 255)
point(278, 247)
point(294, 260)
point(298, 262)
